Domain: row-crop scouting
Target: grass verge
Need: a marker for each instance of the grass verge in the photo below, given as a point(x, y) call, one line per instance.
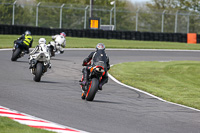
point(9, 126)
point(74, 42)
point(175, 81)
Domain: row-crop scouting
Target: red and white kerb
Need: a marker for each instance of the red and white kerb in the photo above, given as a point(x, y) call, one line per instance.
point(36, 122)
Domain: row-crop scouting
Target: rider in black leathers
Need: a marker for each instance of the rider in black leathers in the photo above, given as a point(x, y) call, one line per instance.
point(98, 55)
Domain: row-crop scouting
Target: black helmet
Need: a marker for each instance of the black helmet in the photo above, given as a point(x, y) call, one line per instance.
point(100, 46)
point(27, 33)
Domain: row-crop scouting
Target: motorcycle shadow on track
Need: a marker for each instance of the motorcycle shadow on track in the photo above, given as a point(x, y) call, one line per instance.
point(23, 61)
point(60, 59)
point(45, 82)
point(103, 101)
point(50, 82)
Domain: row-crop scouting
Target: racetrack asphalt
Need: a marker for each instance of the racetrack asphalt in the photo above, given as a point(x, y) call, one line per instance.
point(115, 109)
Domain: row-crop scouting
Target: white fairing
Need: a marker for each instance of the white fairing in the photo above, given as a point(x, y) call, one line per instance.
point(60, 39)
point(43, 48)
point(58, 43)
point(41, 54)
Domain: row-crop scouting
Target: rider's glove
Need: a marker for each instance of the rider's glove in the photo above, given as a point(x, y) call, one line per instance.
point(84, 64)
point(108, 68)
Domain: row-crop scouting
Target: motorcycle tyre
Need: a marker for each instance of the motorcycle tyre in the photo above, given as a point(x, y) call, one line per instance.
point(92, 90)
point(38, 72)
point(15, 54)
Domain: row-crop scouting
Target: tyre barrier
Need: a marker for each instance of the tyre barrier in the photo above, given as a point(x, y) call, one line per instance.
point(124, 35)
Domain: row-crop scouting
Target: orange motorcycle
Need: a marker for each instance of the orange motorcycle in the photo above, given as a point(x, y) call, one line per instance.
point(97, 70)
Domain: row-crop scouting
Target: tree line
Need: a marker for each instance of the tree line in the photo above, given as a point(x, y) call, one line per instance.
point(149, 17)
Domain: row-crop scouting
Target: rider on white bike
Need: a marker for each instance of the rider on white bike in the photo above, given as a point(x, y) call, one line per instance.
point(58, 43)
point(42, 47)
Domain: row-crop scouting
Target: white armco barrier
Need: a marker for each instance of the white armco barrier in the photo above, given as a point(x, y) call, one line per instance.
point(107, 27)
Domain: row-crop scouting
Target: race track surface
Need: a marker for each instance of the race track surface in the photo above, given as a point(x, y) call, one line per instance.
point(116, 109)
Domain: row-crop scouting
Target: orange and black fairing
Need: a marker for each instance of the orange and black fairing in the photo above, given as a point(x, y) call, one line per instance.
point(98, 69)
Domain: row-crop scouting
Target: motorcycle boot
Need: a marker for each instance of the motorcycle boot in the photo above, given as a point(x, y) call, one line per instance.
point(85, 77)
point(100, 86)
point(26, 48)
point(103, 81)
point(31, 64)
point(83, 95)
point(49, 65)
point(27, 51)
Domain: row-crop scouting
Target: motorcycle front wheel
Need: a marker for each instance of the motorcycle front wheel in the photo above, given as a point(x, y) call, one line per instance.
point(38, 72)
point(92, 89)
point(15, 54)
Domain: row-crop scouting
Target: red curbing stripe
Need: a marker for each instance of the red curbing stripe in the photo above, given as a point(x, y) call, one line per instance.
point(53, 128)
point(35, 122)
point(28, 119)
point(2, 112)
point(3, 108)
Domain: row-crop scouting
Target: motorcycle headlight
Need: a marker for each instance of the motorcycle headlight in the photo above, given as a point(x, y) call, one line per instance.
point(99, 69)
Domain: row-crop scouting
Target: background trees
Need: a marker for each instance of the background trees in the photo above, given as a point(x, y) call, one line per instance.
point(149, 15)
point(187, 10)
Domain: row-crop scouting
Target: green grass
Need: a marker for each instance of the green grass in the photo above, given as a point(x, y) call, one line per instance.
point(175, 81)
point(9, 126)
point(73, 42)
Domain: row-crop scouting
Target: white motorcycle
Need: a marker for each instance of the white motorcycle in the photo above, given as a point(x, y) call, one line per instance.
point(39, 62)
point(56, 46)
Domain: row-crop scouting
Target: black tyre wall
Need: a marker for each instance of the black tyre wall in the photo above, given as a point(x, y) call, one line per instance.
point(89, 33)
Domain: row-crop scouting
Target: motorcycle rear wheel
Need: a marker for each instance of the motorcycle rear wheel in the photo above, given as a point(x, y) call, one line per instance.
point(38, 72)
point(92, 90)
point(15, 54)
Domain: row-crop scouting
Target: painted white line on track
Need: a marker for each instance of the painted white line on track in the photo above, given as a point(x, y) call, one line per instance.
point(144, 92)
point(36, 122)
point(109, 49)
point(5, 49)
point(126, 49)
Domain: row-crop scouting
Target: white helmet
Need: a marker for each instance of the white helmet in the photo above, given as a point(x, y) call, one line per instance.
point(42, 41)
